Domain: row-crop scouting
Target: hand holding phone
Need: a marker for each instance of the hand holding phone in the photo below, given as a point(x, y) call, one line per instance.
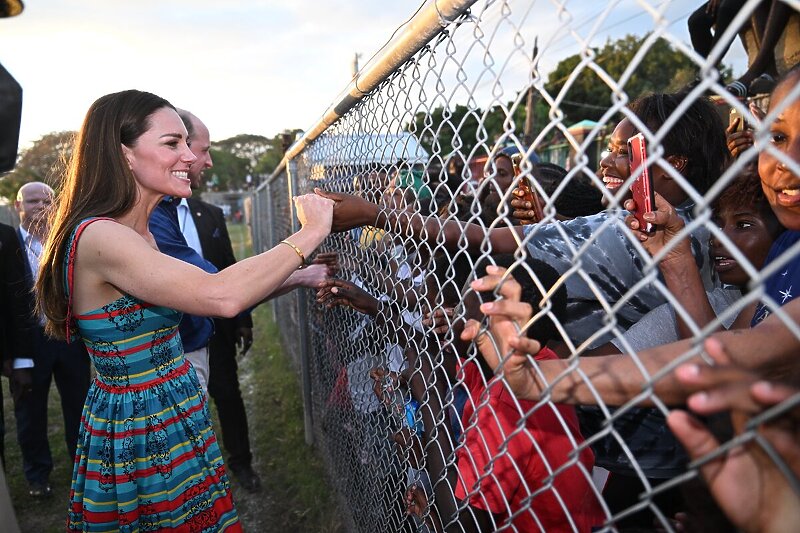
point(736, 121)
point(528, 193)
point(642, 187)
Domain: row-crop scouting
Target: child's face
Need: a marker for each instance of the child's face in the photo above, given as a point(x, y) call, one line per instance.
point(781, 185)
point(502, 174)
point(749, 232)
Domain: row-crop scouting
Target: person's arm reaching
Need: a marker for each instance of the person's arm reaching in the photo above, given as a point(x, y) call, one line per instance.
point(352, 211)
point(134, 267)
point(771, 348)
point(679, 267)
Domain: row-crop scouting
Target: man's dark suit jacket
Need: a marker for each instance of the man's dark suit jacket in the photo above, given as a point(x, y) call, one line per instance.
point(217, 249)
point(16, 310)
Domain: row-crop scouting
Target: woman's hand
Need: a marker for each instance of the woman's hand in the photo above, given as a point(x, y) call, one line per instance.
point(314, 212)
point(667, 226)
point(335, 292)
point(350, 211)
point(503, 344)
point(312, 277)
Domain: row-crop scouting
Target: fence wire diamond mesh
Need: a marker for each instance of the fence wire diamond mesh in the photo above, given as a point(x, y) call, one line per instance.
point(418, 431)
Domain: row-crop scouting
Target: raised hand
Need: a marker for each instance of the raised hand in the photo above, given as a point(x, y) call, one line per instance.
point(349, 211)
point(439, 320)
point(503, 343)
point(384, 384)
point(523, 210)
point(667, 226)
point(739, 141)
point(416, 501)
point(330, 260)
point(749, 486)
point(335, 292)
point(314, 211)
point(313, 276)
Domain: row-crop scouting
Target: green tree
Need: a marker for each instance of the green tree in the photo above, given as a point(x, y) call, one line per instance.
point(661, 69)
point(237, 157)
point(245, 145)
point(44, 161)
point(229, 171)
point(473, 131)
point(271, 159)
point(446, 130)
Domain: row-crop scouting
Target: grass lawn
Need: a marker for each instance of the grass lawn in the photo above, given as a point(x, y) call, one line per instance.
point(296, 496)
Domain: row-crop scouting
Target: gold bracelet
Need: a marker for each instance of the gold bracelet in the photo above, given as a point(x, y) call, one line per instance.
point(297, 250)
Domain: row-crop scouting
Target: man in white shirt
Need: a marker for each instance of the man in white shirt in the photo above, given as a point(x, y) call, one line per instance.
point(203, 226)
point(67, 363)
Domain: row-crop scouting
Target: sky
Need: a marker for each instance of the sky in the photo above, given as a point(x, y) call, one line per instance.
point(242, 66)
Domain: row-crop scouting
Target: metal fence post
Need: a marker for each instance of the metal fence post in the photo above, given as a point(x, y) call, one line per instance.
point(255, 222)
point(269, 230)
point(302, 319)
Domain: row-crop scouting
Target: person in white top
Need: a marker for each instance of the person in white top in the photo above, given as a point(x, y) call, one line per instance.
point(52, 359)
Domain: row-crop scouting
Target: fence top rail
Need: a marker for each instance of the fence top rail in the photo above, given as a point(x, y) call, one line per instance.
point(431, 19)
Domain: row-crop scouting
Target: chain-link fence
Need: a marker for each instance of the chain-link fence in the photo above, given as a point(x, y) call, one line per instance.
point(472, 106)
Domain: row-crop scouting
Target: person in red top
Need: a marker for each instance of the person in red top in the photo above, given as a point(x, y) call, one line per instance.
point(518, 467)
point(523, 469)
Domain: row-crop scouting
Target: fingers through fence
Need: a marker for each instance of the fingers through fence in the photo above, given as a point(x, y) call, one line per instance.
point(533, 188)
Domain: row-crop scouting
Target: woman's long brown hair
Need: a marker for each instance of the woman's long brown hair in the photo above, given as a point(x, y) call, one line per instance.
point(97, 183)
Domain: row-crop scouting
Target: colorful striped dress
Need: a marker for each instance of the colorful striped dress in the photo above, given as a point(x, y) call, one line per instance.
point(147, 458)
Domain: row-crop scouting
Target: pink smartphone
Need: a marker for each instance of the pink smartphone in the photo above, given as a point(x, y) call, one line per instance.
point(642, 187)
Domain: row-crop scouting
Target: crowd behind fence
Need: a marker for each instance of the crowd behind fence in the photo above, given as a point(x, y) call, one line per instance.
point(418, 429)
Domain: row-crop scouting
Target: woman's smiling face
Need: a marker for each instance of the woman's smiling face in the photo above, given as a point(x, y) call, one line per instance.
point(615, 167)
point(160, 159)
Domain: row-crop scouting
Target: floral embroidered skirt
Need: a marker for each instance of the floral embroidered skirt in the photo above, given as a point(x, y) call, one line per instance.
point(148, 460)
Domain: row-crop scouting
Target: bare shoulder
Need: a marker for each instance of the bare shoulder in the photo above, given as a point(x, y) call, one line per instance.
point(106, 239)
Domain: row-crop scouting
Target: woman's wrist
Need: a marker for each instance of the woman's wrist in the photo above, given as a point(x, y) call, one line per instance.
point(381, 218)
point(374, 306)
point(678, 259)
point(313, 235)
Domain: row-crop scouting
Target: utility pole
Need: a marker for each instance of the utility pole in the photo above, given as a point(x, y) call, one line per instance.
point(527, 131)
point(356, 57)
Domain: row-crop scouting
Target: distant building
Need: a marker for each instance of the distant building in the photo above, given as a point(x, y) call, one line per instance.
point(563, 153)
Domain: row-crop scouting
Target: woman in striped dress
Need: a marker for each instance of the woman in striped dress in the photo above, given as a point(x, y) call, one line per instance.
point(147, 457)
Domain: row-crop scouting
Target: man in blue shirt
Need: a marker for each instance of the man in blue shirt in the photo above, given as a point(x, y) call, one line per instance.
point(210, 344)
point(195, 331)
